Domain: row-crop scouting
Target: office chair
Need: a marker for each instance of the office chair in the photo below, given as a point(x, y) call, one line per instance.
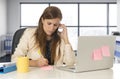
point(16, 38)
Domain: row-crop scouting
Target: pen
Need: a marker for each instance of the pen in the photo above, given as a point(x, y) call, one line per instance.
point(39, 52)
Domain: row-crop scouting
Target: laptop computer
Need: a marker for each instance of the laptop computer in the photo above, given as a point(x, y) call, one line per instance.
point(93, 53)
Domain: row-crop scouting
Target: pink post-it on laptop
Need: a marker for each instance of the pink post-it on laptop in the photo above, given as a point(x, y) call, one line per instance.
point(49, 67)
point(97, 54)
point(105, 51)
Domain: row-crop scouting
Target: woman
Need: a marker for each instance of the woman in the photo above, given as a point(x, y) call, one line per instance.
point(44, 45)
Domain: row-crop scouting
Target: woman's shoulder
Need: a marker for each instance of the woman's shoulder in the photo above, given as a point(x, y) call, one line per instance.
point(30, 30)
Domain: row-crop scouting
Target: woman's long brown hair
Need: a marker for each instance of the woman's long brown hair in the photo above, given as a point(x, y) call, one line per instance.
point(50, 12)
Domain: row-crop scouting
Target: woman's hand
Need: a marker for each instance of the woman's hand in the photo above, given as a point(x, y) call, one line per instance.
point(38, 63)
point(42, 62)
point(64, 34)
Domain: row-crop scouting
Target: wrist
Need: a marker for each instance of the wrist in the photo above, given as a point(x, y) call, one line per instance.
point(33, 63)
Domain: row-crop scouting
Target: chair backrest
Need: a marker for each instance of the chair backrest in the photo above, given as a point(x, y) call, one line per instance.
point(16, 38)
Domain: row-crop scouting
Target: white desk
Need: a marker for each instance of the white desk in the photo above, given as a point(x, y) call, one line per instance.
point(37, 73)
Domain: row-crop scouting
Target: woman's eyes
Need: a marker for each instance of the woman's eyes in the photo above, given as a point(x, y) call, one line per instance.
point(51, 23)
point(55, 24)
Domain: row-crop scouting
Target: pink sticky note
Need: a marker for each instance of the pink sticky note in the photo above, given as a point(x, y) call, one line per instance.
point(47, 67)
point(97, 54)
point(105, 50)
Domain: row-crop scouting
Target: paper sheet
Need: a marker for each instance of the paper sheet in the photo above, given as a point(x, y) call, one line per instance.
point(97, 54)
point(47, 67)
point(100, 52)
point(105, 51)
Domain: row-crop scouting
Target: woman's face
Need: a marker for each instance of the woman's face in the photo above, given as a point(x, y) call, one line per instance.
point(50, 25)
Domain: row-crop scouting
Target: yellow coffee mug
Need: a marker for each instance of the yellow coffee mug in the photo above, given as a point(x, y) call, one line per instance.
point(22, 64)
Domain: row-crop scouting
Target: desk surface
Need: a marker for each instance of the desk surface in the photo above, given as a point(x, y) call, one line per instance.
point(37, 73)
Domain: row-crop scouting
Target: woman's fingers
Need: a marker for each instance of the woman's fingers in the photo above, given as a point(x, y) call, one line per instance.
point(42, 62)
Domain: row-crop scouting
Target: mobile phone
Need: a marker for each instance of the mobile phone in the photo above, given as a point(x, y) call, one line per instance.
point(60, 29)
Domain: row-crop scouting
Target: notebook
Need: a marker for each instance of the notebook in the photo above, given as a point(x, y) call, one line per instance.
point(93, 53)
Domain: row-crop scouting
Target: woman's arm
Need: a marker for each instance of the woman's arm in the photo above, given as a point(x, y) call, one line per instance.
point(64, 34)
point(66, 48)
point(69, 55)
point(39, 62)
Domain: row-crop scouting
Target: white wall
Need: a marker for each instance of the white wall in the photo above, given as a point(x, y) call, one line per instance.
point(14, 10)
point(3, 23)
point(118, 14)
point(3, 17)
point(13, 15)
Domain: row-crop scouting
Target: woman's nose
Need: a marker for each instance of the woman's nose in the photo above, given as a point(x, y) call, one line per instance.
point(52, 27)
